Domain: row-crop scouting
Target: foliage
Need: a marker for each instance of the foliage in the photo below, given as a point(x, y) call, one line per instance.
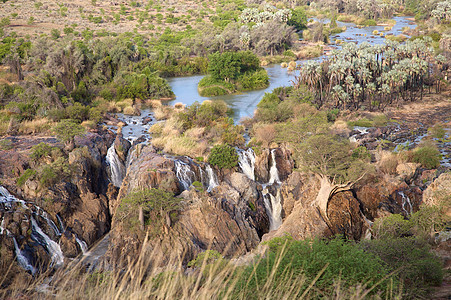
point(372, 76)
point(428, 156)
point(331, 156)
point(229, 65)
point(298, 19)
point(223, 156)
point(67, 129)
point(333, 260)
point(29, 173)
point(42, 150)
point(207, 257)
point(416, 266)
point(158, 208)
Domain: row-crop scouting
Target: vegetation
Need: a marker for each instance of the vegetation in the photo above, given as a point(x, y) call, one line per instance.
point(233, 71)
point(150, 209)
point(223, 156)
point(373, 76)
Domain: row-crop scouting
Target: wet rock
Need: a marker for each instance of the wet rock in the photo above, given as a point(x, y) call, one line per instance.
point(69, 244)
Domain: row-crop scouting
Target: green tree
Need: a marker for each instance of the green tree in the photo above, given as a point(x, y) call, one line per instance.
point(298, 18)
point(331, 159)
point(223, 156)
point(154, 207)
point(66, 130)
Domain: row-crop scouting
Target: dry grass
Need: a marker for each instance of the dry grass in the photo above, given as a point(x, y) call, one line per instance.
point(163, 112)
point(144, 279)
point(35, 126)
point(181, 145)
point(387, 162)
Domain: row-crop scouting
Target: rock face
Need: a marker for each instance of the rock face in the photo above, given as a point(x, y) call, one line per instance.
point(66, 210)
point(439, 191)
point(230, 219)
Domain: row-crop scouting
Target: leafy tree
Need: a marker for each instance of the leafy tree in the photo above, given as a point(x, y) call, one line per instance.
point(298, 19)
point(332, 161)
point(154, 207)
point(66, 130)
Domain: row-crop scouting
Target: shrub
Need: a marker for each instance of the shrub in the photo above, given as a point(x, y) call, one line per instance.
point(206, 257)
point(428, 156)
point(392, 226)
point(29, 173)
point(223, 156)
point(334, 260)
point(414, 264)
point(40, 150)
point(6, 144)
point(67, 129)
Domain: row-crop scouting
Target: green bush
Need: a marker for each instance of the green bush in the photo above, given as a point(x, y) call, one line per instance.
point(29, 173)
point(414, 264)
point(287, 260)
point(392, 226)
point(207, 257)
point(40, 150)
point(428, 156)
point(223, 156)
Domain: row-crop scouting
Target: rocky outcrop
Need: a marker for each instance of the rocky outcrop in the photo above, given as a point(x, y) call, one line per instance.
point(230, 219)
point(75, 207)
point(439, 192)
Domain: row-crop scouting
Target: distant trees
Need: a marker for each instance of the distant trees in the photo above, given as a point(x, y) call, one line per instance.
point(229, 65)
point(373, 76)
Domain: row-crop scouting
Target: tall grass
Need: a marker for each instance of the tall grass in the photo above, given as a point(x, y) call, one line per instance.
point(144, 278)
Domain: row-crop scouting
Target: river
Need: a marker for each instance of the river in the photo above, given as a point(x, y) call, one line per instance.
point(244, 104)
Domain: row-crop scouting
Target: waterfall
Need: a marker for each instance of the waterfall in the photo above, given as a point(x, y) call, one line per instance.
point(405, 199)
point(50, 223)
point(273, 207)
point(52, 247)
point(273, 172)
point(116, 166)
point(247, 162)
point(184, 174)
point(82, 244)
point(22, 259)
point(7, 198)
point(212, 180)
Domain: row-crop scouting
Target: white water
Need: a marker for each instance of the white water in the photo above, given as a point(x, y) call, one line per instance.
point(273, 207)
point(273, 172)
point(184, 174)
point(247, 162)
point(53, 248)
point(23, 261)
point(82, 244)
point(406, 199)
point(212, 180)
point(116, 166)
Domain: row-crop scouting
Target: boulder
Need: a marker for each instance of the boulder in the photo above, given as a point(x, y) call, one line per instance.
point(407, 171)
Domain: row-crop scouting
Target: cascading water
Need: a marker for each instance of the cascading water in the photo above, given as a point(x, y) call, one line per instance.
point(212, 180)
point(184, 174)
point(116, 166)
point(273, 172)
point(247, 162)
point(52, 247)
point(406, 199)
point(82, 244)
point(22, 259)
point(273, 207)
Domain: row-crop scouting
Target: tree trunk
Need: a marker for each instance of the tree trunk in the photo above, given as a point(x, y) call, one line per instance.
point(327, 190)
point(141, 218)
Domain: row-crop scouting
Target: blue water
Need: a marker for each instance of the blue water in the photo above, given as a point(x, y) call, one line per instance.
point(244, 104)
